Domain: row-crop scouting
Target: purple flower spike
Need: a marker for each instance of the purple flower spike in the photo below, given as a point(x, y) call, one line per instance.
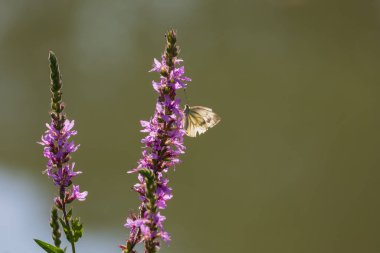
point(57, 149)
point(163, 146)
point(57, 145)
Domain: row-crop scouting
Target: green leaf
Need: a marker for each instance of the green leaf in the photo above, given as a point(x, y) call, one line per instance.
point(66, 229)
point(77, 228)
point(69, 214)
point(48, 247)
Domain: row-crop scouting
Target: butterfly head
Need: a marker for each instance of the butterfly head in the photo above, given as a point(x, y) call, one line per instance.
point(187, 109)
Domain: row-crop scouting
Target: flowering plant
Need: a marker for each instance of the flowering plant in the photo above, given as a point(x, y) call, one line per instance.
point(58, 149)
point(163, 145)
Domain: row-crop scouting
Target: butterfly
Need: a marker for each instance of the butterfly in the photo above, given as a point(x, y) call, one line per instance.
point(198, 119)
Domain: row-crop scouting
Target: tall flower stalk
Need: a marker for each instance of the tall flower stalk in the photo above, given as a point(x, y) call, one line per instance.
point(58, 149)
point(163, 146)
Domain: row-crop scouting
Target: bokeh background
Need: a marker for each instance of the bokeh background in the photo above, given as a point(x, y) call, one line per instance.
point(292, 167)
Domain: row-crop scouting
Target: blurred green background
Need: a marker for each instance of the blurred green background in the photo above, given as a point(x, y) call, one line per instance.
point(292, 167)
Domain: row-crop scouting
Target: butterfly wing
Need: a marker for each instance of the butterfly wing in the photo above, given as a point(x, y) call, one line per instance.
point(198, 119)
point(210, 117)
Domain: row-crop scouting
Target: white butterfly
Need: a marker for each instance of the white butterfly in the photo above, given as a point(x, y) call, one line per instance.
point(198, 119)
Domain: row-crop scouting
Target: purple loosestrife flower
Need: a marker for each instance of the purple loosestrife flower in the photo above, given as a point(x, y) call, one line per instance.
point(58, 149)
point(57, 146)
point(163, 145)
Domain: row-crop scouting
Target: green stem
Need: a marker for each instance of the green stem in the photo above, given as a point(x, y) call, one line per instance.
point(62, 195)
